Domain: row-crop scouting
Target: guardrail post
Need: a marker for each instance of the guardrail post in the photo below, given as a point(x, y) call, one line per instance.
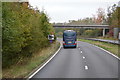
point(116, 31)
point(103, 32)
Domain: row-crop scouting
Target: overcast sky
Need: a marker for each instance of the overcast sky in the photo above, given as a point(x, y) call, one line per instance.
point(64, 10)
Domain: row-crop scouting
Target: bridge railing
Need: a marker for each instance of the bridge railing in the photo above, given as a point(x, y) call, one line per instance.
point(82, 26)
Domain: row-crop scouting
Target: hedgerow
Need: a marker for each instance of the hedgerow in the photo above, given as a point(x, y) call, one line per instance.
point(24, 31)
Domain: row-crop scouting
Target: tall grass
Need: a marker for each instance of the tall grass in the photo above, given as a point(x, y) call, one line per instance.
point(27, 65)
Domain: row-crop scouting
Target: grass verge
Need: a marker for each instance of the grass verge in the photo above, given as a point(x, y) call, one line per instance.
point(29, 64)
point(107, 38)
point(113, 48)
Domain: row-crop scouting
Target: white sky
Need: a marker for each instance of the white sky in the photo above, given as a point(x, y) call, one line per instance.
point(64, 10)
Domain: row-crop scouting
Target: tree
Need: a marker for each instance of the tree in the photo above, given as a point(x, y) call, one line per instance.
point(113, 18)
point(100, 16)
point(24, 32)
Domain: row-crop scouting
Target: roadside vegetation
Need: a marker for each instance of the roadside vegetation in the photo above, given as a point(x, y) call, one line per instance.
point(113, 48)
point(107, 38)
point(28, 65)
point(24, 35)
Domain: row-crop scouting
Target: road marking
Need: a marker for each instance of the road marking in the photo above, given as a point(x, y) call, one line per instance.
point(44, 64)
point(107, 52)
point(86, 67)
point(79, 48)
point(81, 51)
point(83, 57)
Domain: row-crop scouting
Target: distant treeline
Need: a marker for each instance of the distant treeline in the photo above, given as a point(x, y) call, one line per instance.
point(99, 18)
point(24, 32)
point(112, 18)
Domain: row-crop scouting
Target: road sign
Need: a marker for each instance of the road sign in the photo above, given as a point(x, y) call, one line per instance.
point(50, 37)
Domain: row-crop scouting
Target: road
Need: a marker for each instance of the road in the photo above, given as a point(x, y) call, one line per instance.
point(85, 61)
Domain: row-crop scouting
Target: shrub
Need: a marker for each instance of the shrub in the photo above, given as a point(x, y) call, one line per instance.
point(24, 32)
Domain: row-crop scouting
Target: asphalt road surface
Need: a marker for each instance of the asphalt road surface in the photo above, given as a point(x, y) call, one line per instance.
point(85, 61)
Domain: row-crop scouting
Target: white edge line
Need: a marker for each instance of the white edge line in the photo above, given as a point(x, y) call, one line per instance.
point(83, 57)
point(45, 63)
point(81, 51)
point(107, 52)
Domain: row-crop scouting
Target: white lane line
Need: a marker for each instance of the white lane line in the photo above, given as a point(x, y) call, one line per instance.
point(44, 64)
point(81, 51)
point(86, 67)
point(83, 57)
point(107, 52)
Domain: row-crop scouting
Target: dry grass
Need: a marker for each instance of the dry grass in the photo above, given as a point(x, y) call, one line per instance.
point(29, 64)
point(108, 38)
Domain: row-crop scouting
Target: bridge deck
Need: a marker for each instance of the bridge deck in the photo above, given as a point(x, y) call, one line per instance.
point(82, 26)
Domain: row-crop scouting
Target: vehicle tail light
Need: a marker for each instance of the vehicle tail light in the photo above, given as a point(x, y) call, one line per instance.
point(75, 43)
point(64, 43)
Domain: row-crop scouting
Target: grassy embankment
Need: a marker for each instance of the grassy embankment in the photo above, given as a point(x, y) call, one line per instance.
point(29, 64)
point(107, 38)
point(113, 48)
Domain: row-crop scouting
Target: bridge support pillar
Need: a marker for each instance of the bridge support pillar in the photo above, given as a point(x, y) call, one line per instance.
point(103, 32)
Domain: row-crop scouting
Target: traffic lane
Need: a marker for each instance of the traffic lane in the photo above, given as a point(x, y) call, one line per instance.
point(103, 64)
point(68, 63)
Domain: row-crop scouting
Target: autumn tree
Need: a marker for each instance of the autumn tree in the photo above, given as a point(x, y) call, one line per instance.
point(24, 32)
point(113, 18)
point(100, 16)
